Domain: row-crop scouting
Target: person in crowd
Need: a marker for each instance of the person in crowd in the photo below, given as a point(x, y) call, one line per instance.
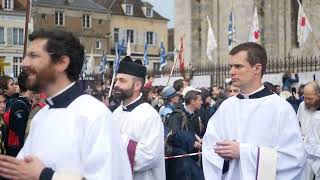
point(98, 91)
point(184, 138)
point(8, 87)
point(309, 106)
point(171, 98)
point(306, 112)
point(277, 89)
point(206, 110)
point(255, 134)
point(147, 94)
point(301, 91)
point(74, 134)
point(38, 102)
point(287, 80)
point(17, 115)
point(179, 85)
point(150, 80)
point(233, 90)
point(269, 86)
point(3, 126)
point(140, 124)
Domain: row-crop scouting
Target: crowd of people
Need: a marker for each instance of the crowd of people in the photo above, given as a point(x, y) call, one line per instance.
point(244, 130)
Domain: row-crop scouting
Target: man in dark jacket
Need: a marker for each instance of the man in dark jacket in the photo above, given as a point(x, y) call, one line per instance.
point(184, 138)
point(18, 117)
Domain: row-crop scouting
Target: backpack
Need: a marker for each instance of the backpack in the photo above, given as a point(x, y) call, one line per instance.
point(12, 138)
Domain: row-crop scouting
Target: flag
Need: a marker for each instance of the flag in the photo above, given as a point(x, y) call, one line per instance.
point(181, 58)
point(254, 35)
point(304, 28)
point(117, 60)
point(84, 66)
point(145, 55)
point(231, 31)
point(211, 41)
point(119, 48)
point(128, 48)
point(90, 63)
point(162, 56)
point(103, 63)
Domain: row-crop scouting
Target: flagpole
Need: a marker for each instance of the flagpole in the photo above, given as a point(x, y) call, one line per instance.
point(174, 64)
point(112, 82)
point(309, 26)
point(26, 28)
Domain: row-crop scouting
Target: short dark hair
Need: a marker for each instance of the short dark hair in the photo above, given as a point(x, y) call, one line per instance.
point(61, 43)
point(150, 76)
point(178, 84)
point(191, 95)
point(22, 81)
point(256, 54)
point(4, 82)
point(142, 80)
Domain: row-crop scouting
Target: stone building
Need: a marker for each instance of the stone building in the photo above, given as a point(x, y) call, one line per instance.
point(89, 21)
point(138, 22)
point(277, 19)
point(12, 22)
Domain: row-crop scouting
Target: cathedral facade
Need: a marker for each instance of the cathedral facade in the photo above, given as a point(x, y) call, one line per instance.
point(278, 21)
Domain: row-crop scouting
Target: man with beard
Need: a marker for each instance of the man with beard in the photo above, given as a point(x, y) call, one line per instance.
point(306, 116)
point(309, 106)
point(74, 134)
point(140, 124)
point(255, 134)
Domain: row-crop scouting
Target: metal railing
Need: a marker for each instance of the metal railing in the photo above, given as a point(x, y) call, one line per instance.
point(219, 72)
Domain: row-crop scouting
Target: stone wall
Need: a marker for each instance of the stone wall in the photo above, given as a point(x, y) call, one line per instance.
point(277, 18)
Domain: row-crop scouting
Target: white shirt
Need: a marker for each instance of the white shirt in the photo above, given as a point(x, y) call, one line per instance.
point(144, 126)
point(304, 117)
point(267, 121)
point(312, 143)
point(81, 138)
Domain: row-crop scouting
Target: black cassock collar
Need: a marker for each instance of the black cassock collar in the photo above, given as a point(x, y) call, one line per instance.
point(131, 107)
point(64, 99)
point(264, 92)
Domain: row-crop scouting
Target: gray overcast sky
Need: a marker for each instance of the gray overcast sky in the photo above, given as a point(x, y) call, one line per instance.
point(165, 8)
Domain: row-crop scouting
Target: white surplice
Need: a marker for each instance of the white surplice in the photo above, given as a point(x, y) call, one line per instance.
point(304, 117)
point(267, 121)
point(81, 138)
point(312, 144)
point(144, 126)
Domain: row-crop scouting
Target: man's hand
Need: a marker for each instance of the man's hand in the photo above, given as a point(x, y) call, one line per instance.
point(20, 169)
point(228, 149)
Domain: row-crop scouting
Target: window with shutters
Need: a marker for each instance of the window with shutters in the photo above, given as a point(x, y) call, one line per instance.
point(17, 68)
point(86, 21)
point(150, 37)
point(59, 18)
point(17, 36)
point(115, 35)
point(7, 4)
point(1, 35)
point(130, 35)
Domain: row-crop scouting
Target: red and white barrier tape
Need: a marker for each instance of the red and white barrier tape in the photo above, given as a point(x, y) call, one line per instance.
point(183, 155)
